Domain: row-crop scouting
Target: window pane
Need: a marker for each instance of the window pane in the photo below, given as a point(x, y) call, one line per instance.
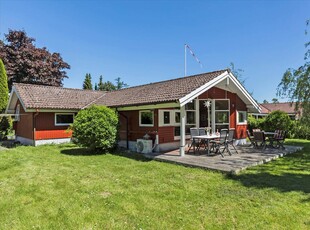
point(190, 117)
point(241, 117)
point(219, 127)
point(221, 117)
point(64, 118)
point(190, 106)
point(177, 131)
point(221, 104)
point(147, 118)
point(177, 117)
point(166, 117)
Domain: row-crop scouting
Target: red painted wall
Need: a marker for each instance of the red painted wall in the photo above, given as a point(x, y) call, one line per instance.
point(46, 129)
point(24, 127)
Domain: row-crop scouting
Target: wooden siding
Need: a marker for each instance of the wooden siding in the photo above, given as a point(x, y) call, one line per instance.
point(24, 127)
point(46, 129)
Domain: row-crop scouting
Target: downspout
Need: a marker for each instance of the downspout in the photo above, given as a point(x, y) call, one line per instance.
point(127, 129)
point(34, 125)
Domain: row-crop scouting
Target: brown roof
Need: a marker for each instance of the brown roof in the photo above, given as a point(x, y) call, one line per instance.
point(286, 107)
point(50, 97)
point(159, 92)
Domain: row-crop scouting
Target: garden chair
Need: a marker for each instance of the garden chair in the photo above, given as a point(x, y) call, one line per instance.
point(217, 144)
point(194, 142)
point(260, 140)
point(230, 140)
point(279, 139)
point(251, 138)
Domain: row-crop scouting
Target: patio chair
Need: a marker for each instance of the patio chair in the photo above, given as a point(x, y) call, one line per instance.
point(217, 144)
point(202, 131)
point(260, 140)
point(279, 139)
point(251, 138)
point(230, 140)
point(194, 143)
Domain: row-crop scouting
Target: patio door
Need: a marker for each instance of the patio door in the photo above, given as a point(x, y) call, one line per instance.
point(203, 114)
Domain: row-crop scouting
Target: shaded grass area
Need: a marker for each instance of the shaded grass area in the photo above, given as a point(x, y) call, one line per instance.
point(62, 186)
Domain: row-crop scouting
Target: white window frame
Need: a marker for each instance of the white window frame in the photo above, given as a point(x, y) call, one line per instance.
point(220, 110)
point(245, 115)
point(146, 125)
point(161, 117)
point(62, 124)
point(17, 113)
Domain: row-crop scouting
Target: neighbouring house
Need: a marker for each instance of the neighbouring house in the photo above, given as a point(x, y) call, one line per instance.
point(287, 107)
point(167, 109)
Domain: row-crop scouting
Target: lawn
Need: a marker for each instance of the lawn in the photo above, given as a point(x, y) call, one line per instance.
point(65, 187)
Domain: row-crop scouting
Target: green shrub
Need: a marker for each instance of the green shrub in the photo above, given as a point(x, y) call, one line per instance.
point(300, 130)
point(277, 120)
point(254, 123)
point(5, 127)
point(96, 128)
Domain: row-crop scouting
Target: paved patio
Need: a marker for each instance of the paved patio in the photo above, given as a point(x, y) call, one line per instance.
point(247, 157)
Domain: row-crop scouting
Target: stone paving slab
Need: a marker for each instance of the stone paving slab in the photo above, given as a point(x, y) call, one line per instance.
point(247, 157)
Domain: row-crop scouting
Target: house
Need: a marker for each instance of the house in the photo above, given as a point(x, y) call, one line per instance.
point(167, 109)
point(286, 107)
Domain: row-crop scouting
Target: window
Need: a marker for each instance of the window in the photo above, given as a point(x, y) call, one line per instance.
point(63, 118)
point(241, 118)
point(177, 117)
point(221, 114)
point(146, 118)
point(17, 113)
point(166, 117)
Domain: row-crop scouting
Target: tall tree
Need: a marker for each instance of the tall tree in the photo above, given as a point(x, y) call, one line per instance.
point(237, 72)
point(4, 91)
point(120, 84)
point(100, 84)
point(87, 82)
point(275, 100)
point(96, 86)
point(28, 64)
point(295, 84)
point(265, 101)
point(108, 86)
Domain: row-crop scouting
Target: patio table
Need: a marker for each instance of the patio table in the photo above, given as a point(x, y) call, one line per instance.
point(207, 138)
point(270, 136)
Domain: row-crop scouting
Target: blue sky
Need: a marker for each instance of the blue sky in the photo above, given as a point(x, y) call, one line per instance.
point(143, 41)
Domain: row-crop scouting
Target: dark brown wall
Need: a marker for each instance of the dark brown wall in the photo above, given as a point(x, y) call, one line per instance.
point(24, 127)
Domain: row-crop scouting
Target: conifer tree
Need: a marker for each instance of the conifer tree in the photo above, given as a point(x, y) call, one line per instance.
point(87, 82)
point(4, 91)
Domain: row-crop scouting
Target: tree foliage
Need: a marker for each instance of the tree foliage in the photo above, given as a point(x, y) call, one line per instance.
point(87, 82)
point(275, 100)
point(109, 86)
point(120, 84)
point(295, 85)
point(96, 128)
point(28, 64)
point(4, 91)
point(277, 120)
point(237, 73)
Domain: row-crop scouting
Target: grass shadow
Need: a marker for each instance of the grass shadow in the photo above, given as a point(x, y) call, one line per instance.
point(131, 155)
point(80, 152)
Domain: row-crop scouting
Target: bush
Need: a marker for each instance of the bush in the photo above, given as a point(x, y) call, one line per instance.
point(300, 130)
point(96, 128)
point(254, 123)
point(277, 120)
point(5, 127)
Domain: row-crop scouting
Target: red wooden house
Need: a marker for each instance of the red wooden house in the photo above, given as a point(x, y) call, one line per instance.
point(167, 108)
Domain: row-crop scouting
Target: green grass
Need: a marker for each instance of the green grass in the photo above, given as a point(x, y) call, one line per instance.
point(65, 187)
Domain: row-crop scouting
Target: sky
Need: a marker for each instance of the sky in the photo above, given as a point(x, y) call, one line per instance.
point(143, 41)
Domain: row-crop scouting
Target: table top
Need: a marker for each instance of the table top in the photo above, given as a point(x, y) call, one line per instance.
point(212, 136)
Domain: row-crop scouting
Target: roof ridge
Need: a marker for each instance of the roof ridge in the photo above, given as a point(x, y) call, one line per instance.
point(169, 80)
point(56, 87)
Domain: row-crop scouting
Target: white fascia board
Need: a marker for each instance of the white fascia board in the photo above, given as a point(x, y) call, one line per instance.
point(244, 91)
point(14, 91)
point(155, 106)
point(53, 110)
point(191, 96)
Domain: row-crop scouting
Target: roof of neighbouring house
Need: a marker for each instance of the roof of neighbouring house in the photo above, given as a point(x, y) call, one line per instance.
point(286, 107)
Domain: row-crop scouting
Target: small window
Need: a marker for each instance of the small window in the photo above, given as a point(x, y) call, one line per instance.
point(64, 118)
point(17, 113)
point(177, 117)
point(241, 118)
point(146, 118)
point(190, 105)
point(166, 117)
point(190, 117)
